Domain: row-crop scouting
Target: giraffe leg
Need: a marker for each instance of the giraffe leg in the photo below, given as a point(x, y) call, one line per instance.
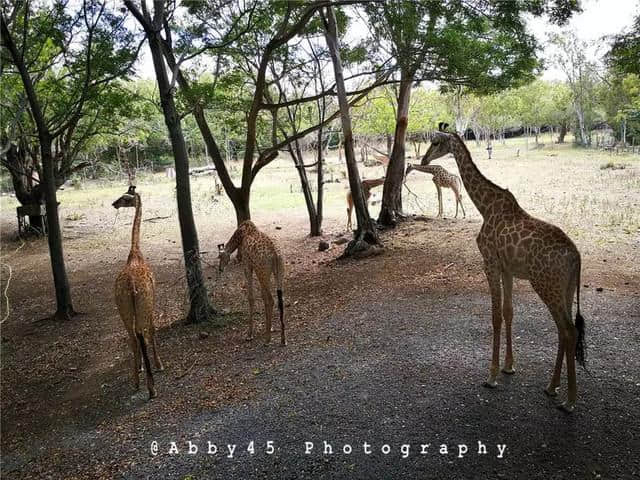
point(144, 319)
point(507, 313)
point(267, 299)
point(139, 366)
point(554, 298)
point(144, 347)
point(455, 194)
point(156, 356)
point(439, 201)
point(459, 197)
point(554, 384)
point(570, 337)
point(135, 360)
point(248, 272)
point(492, 271)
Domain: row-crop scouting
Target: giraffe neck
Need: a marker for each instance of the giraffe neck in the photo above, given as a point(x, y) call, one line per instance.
point(483, 193)
point(236, 239)
point(425, 168)
point(369, 184)
point(135, 231)
point(234, 242)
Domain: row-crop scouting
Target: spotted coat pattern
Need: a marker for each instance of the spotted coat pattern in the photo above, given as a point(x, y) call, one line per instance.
point(367, 185)
point(134, 294)
point(515, 244)
point(441, 179)
point(259, 254)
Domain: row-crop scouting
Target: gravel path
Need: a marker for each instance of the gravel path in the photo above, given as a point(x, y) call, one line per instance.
point(409, 372)
point(395, 374)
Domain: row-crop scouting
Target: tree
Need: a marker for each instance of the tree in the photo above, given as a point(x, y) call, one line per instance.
point(536, 106)
point(562, 111)
point(152, 24)
point(621, 93)
point(624, 55)
point(464, 107)
point(479, 44)
point(234, 39)
point(582, 78)
point(65, 60)
point(620, 98)
point(366, 237)
point(299, 116)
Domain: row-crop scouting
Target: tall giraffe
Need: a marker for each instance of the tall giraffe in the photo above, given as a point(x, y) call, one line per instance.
point(514, 244)
point(259, 253)
point(134, 291)
point(441, 179)
point(367, 185)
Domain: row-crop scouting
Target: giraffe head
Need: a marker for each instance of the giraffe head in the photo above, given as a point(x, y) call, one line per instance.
point(223, 257)
point(441, 144)
point(128, 200)
point(409, 168)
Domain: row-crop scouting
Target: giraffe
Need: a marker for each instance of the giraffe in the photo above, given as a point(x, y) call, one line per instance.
point(514, 244)
point(367, 185)
point(441, 179)
point(259, 253)
point(134, 292)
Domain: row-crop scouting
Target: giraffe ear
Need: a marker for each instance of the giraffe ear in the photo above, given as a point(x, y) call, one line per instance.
point(220, 247)
point(445, 126)
point(440, 126)
point(132, 190)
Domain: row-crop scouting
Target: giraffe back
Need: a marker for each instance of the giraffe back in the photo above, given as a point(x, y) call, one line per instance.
point(263, 254)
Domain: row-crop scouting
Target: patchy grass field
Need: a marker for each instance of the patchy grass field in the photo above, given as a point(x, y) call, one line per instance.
point(392, 349)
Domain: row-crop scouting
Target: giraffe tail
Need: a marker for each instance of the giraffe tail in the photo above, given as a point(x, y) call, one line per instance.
point(279, 273)
point(581, 350)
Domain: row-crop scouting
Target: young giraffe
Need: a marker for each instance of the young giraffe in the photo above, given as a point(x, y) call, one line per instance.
point(367, 185)
point(134, 291)
point(260, 254)
point(441, 179)
point(514, 244)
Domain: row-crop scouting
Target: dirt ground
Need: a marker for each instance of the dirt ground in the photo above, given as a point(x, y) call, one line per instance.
point(391, 350)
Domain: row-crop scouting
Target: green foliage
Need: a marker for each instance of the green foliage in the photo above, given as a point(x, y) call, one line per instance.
point(483, 45)
point(377, 115)
point(78, 53)
point(624, 55)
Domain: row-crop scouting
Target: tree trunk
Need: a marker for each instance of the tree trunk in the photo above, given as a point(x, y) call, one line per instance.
point(240, 201)
point(316, 228)
point(63, 291)
point(389, 143)
point(581, 126)
point(392, 191)
point(366, 237)
point(296, 155)
point(64, 307)
point(239, 196)
point(200, 309)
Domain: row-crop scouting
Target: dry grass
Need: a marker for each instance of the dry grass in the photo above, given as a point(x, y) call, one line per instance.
point(558, 183)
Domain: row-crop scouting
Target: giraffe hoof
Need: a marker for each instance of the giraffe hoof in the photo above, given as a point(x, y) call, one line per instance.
point(248, 339)
point(160, 368)
point(490, 384)
point(152, 394)
point(551, 391)
point(508, 371)
point(566, 407)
